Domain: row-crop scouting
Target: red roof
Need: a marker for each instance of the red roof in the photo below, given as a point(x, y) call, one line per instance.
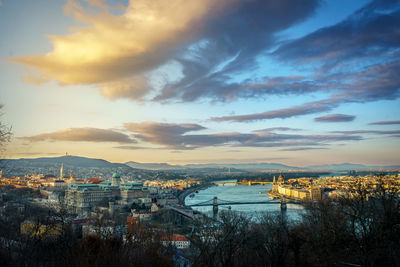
point(95, 181)
point(174, 237)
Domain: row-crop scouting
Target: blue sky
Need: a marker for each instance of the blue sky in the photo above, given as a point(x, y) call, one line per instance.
point(296, 82)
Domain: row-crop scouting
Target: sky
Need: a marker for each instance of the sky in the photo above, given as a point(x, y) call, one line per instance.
point(299, 82)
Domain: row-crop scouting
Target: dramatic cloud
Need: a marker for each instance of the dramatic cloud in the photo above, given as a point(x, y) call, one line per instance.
point(177, 136)
point(370, 32)
point(168, 134)
point(335, 118)
point(384, 122)
point(112, 46)
point(231, 46)
point(346, 59)
point(377, 82)
point(369, 39)
point(83, 135)
point(308, 108)
point(212, 48)
point(210, 40)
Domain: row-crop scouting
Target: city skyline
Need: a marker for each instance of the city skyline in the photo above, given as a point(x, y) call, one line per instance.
point(296, 82)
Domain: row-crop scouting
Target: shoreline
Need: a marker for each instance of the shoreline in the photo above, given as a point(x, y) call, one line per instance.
point(273, 195)
point(182, 196)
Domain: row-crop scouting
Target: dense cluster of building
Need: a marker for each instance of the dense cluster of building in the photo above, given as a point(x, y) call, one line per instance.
point(124, 205)
point(83, 198)
point(178, 184)
point(308, 189)
point(41, 180)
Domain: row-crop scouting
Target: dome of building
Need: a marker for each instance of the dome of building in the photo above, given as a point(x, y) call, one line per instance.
point(116, 175)
point(281, 179)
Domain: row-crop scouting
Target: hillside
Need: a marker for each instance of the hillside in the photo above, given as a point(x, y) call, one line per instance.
point(80, 166)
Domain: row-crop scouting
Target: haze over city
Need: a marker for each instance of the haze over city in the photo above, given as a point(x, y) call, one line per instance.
point(295, 82)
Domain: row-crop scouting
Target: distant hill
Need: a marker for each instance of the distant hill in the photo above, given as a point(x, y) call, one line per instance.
point(254, 166)
point(81, 166)
point(349, 166)
point(92, 167)
point(153, 166)
point(72, 161)
point(247, 167)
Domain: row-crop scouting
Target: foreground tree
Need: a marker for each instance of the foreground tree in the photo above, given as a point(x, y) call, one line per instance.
point(5, 131)
point(361, 228)
point(236, 240)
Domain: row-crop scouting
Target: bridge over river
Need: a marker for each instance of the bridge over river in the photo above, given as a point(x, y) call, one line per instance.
point(242, 182)
point(221, 202)
point(215, 202)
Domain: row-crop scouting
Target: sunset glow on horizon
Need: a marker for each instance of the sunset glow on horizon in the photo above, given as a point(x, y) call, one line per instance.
point(203, 81)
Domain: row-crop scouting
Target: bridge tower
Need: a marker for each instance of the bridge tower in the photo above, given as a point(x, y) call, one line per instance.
point(283, 203)
point(215, 206)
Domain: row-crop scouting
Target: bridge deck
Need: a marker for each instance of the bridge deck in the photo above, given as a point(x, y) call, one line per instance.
point(244, 183)
point(241, 203)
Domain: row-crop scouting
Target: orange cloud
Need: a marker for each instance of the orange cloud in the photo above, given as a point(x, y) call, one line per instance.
point(113, 47)
point(84, 134)
point(98, 3)
point(135, 88)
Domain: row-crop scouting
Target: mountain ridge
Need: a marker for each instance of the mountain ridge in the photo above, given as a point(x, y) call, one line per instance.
point(259, 166)
point(85, 162)
point(75, 161)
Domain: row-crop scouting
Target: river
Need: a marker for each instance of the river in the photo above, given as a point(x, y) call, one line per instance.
point(240, 193)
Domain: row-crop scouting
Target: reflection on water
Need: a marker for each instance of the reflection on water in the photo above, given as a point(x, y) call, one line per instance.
point(240, 193)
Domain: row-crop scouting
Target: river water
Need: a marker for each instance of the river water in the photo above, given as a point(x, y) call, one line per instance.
point(241, 193)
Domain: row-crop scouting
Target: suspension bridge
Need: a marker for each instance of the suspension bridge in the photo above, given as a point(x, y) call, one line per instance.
point(215, 202)
point(221, 202)
point(242, 182)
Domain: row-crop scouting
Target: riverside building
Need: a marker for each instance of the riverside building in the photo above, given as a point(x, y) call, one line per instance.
point(293, 191)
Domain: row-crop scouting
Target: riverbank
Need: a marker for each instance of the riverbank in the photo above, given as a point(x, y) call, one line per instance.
point(191, 190)
point(273, 195)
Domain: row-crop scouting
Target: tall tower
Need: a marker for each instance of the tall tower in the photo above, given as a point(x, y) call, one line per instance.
point(61, 171)
point(215, 206)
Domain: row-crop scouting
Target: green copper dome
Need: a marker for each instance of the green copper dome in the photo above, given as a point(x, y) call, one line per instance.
point(116, 175)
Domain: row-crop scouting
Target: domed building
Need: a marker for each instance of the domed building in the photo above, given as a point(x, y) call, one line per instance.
point(82, 198)
point(116, 179)
point(281, 179)
point(275, 185)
